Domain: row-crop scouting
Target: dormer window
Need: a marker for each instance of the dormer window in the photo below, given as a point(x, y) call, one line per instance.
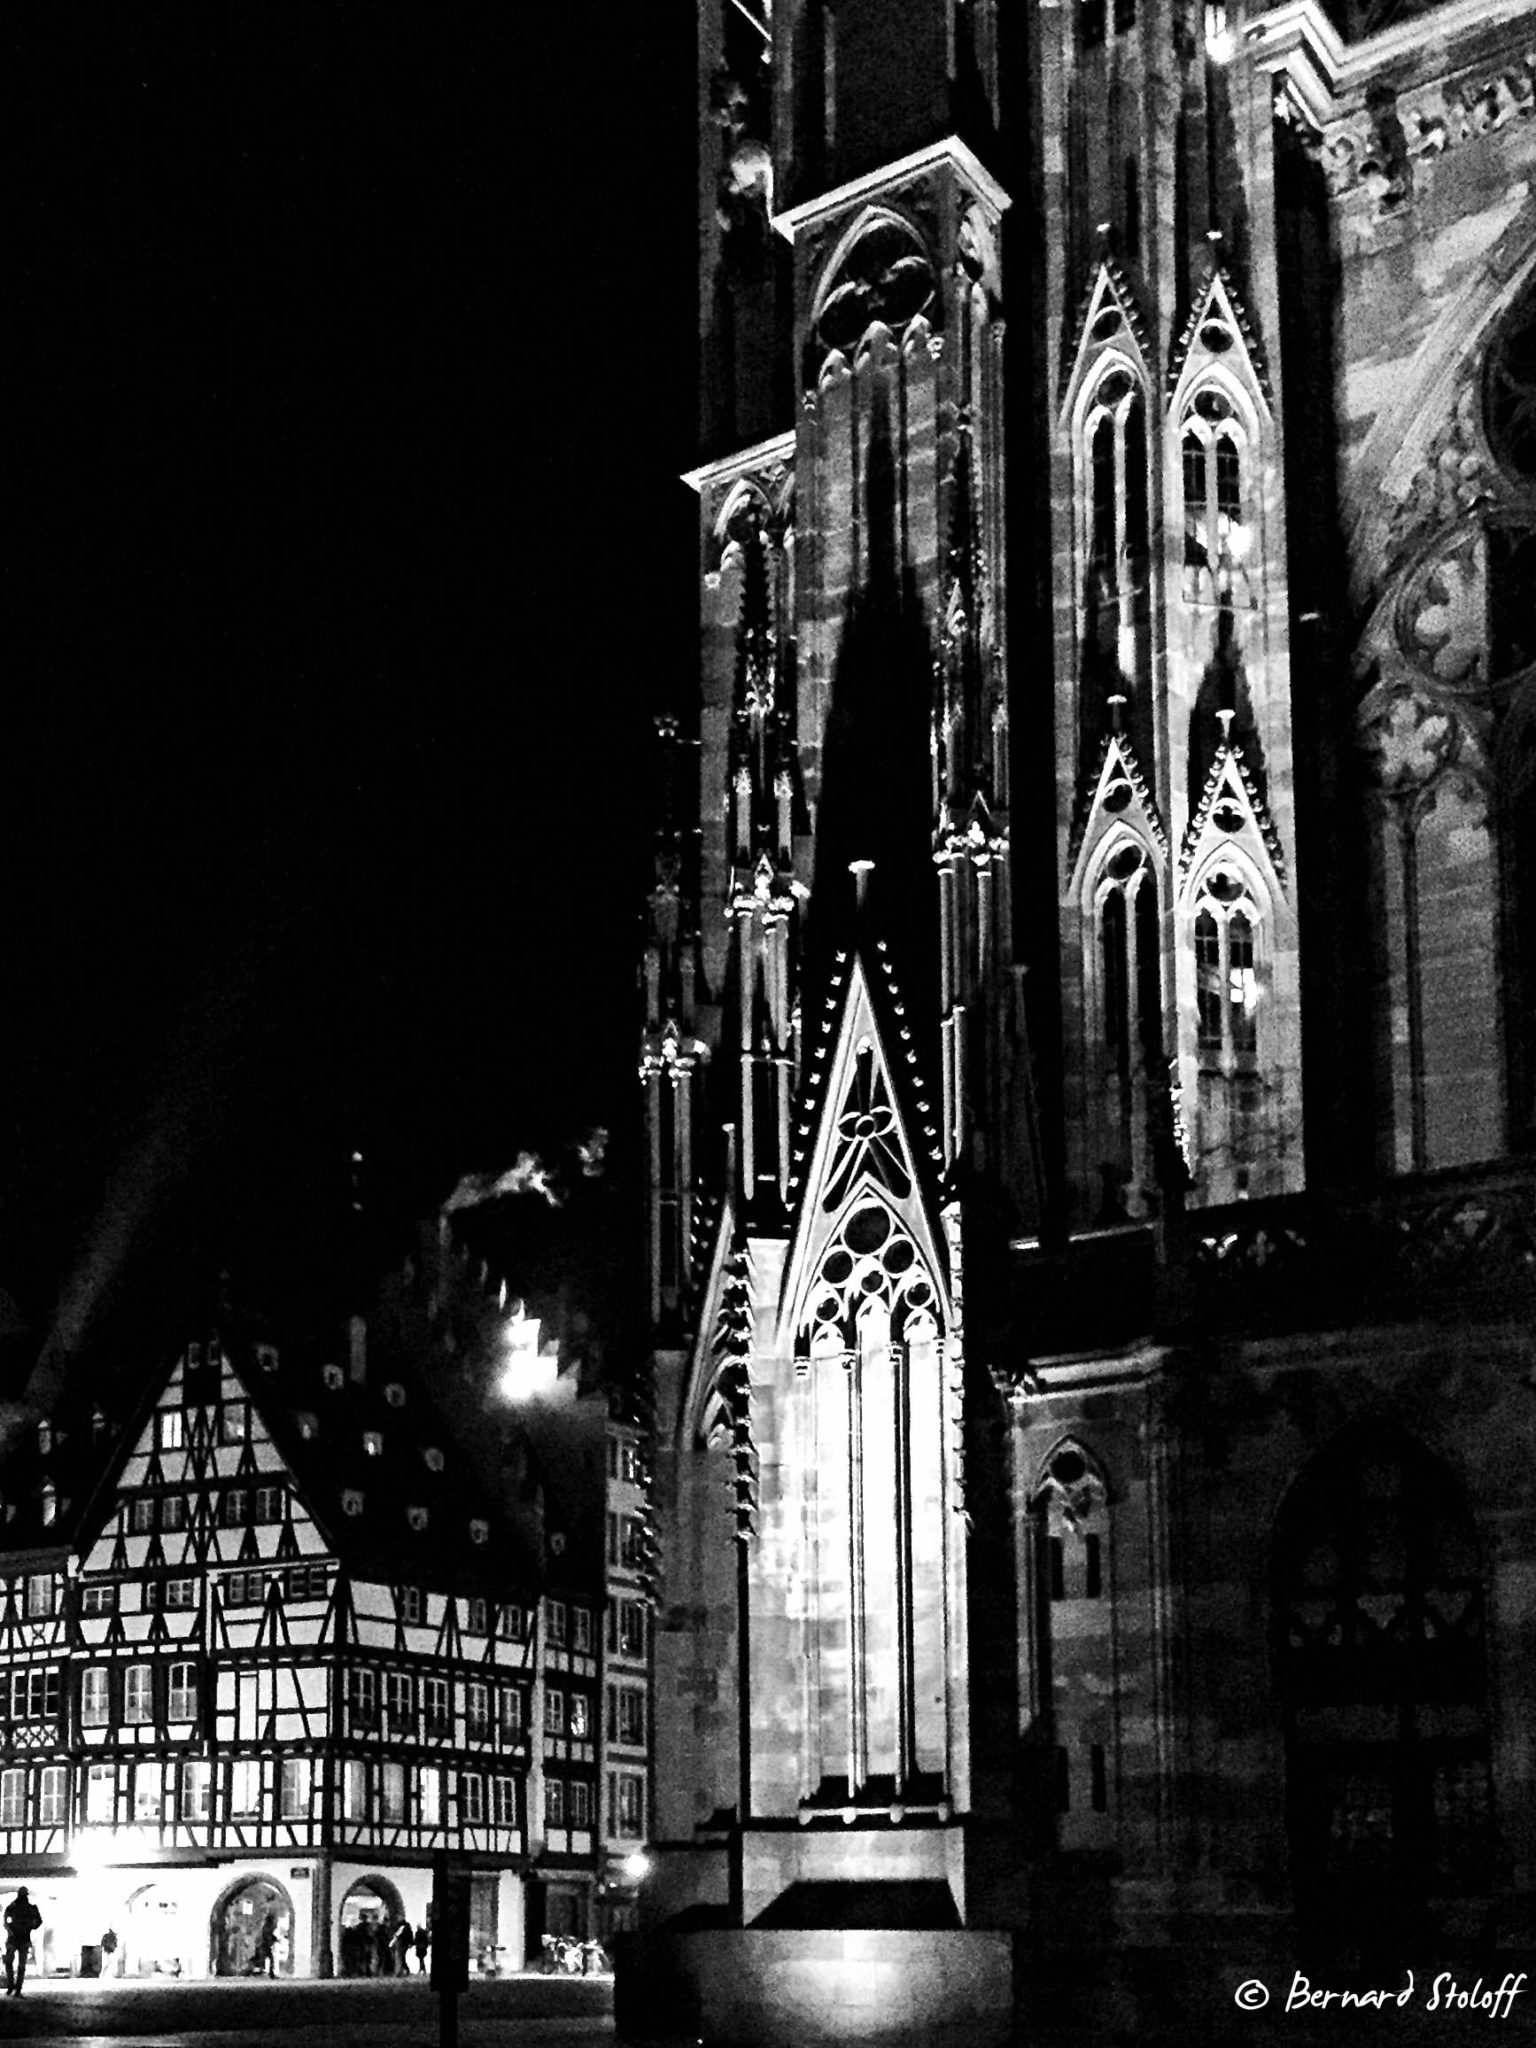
point(394, 1394)
point(352, 1501)
point(432, 1457)
point(373, 1443)
point(266, 1358)
point(332, 1377)
point(479, 1531)
point(417, 1517)
point(308, 1425)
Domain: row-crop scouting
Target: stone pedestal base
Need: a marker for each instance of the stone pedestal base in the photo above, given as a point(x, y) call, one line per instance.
point(757, 1987)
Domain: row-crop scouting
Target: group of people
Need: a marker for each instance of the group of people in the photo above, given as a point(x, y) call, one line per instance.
point(372, 1949)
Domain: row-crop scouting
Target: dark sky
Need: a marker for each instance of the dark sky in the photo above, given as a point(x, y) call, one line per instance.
point(348, 561)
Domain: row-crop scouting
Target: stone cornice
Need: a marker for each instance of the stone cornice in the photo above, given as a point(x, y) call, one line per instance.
point(1324, 73)
point(744, 462)
point(951, 151)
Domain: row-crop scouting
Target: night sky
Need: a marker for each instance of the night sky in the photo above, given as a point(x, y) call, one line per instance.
point(347, 565)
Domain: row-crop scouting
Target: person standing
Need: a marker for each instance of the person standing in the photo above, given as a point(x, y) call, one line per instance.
point(264, 1957)
point(22, 1919)
point(400, 1941)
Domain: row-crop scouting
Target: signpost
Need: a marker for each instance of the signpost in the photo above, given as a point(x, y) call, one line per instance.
point(450, 1941)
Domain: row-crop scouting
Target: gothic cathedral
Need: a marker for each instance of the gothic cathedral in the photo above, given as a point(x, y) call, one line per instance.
point(1090, 1019)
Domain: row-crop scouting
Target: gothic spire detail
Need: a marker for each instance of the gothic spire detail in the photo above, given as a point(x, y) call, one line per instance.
point(1218, 326)
point(1231, 810)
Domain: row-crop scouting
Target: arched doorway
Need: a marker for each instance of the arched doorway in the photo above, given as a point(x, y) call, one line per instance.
point(243, 1919)
point(370, 1910)
point(153, 1934)
point(1379, 1647)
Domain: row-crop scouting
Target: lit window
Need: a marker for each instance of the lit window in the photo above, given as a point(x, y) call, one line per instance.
point(13, 1798)
point(430, 1794)
point(52, 1791)
point(354, 1790)
point(183, 1692)
point(139, 1693)
point(554, 1802)
point(293, 1790)
point(170, 1429)
point(234, 1422)
point(1217, 539)
point(392, 1790)
point(148, 1792)
point(101, 1795)
point(94, 1682)
point(266, 1358)
point(45, 1591)
point(373, 1443)
point(244, 1787)
point(580, 1714)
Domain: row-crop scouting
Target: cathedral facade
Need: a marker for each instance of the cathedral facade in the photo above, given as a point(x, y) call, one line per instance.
point(1090, 1042)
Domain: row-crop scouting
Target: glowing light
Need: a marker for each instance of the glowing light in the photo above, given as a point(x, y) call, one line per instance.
point(1220, 42)
point(527, 1371)
point(637, 1867)
point(92, 1849)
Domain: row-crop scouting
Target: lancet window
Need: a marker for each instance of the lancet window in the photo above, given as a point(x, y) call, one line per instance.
point(873, 1367)
point(1074, 1644)
point(1379, 1653)
point(1218, 529)
point(1227, 967)
point(1114, 441)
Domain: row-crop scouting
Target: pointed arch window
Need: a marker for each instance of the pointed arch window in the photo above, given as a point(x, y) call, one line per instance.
point(1113, 494)
point(1218, 534)
point(1128, 972)
point(1074, 1648)
point(1227, 967)
point(1379, 1651)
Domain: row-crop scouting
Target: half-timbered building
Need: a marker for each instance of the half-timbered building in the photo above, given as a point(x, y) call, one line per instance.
point(274, 1648)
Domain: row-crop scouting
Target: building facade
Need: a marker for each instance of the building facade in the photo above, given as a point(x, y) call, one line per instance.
point(273, 1650)
point(1089, 1020)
